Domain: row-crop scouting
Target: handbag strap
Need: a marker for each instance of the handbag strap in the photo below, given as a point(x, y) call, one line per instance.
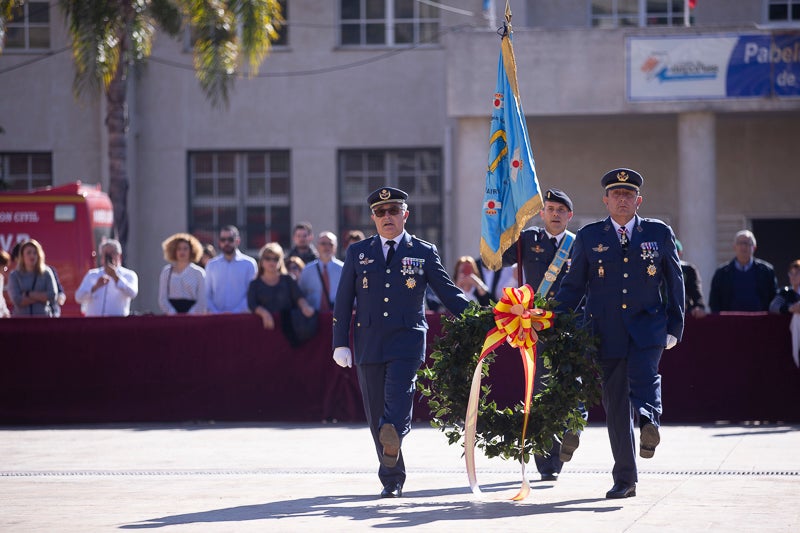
point(169, 280)
point(33, 286)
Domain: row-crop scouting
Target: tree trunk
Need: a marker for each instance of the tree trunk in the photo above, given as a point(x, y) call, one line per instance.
point(117, 124)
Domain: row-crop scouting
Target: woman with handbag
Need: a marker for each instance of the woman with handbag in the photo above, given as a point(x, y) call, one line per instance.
point(32, 286)
point(182, 284)
point(275, 291)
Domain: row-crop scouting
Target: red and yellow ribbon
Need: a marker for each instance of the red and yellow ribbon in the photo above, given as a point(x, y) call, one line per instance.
point(516, 322)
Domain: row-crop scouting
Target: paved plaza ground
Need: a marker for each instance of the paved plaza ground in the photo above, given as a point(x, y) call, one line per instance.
point(281, 477)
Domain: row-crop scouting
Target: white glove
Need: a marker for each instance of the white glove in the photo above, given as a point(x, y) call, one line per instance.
point(671, 341)
point(342, 356)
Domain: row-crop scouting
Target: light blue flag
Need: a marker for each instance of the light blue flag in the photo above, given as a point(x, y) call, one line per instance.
point(512, 195)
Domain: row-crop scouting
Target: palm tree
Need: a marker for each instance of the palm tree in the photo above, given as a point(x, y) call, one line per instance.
point(111, 37)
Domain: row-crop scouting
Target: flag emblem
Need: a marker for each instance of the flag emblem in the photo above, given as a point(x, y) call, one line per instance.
point(491, 207)
point(498, 101)
point(515, 165)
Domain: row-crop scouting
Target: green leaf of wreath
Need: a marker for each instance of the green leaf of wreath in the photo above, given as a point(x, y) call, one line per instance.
point(568, 353)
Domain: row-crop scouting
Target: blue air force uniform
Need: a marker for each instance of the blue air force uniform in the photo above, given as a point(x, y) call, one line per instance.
point(538, 251)
point(634, 298)
point(389, 327)
point(390, 315)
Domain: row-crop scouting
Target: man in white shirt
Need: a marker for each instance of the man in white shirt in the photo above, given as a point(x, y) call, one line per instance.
point(109, 289)
point(228, 275)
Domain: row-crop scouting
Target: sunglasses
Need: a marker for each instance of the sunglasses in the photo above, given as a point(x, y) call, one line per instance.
point(393, 211)
point(270, 258)
point(227, 239)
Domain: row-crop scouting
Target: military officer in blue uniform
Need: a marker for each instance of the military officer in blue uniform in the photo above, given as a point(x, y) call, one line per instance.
point(539, 245)
point(387, 276)
point(545, 256)
point(628, 269)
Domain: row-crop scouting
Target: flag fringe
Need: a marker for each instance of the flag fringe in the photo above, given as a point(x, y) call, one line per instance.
point(529, 209)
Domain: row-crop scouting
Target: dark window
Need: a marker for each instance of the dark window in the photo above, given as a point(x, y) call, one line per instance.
point(29, 27)
point(250, 190)
point(21, 172)
point(416, 171)
point(772, 244)
point(619, 13)
point(783, 11)
point(387, 23)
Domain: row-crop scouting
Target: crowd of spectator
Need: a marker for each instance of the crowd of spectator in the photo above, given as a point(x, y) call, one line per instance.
point(201, 278)
point(196, 279)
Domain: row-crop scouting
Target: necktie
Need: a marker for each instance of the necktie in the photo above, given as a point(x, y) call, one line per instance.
point(324, 303)
point(623, 237)
point(390, 253)
point(555, 242)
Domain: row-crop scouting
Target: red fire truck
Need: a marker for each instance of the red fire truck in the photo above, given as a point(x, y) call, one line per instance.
point(69, 221)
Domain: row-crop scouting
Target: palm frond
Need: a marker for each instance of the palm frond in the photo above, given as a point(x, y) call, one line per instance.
point(97, 29)
point(259, 22)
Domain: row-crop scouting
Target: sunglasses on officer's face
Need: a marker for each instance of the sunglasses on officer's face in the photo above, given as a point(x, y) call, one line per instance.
point(393, 211)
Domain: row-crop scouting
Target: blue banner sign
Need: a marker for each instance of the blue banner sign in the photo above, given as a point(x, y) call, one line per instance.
point(721, 66)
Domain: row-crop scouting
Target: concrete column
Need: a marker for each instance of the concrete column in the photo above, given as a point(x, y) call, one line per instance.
point(697, 180)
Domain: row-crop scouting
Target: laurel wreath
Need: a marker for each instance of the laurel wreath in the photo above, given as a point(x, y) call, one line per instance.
point(567, 352)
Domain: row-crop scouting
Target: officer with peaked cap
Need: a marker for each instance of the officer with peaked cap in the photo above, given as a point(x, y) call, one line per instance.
point(628, 269)
point(387, 276)
point(544, 269)
point(539, 245)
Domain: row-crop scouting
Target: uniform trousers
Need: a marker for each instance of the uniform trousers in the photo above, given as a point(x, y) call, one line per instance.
point(631, 390)
point(387, 390)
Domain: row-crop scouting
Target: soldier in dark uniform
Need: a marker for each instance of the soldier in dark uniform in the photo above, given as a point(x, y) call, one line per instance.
point(787, 300)
point(539, 247)
point(388, 282)
point(621, 265)
point(692, 286)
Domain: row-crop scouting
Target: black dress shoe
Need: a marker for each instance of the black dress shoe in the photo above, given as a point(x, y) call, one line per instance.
point(622, 490)
point(569, 443)
point(648, 440)
point(550, 477)
point(392, 490)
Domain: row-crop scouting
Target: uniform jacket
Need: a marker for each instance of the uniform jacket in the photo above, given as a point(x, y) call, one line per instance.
point(722, 285)
point(627, 294)
point(537, 254)
point(781, 302)
point(389, 299)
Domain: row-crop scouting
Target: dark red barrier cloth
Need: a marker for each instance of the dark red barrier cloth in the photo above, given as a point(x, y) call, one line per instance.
point(168, 368)
point(228, 368)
